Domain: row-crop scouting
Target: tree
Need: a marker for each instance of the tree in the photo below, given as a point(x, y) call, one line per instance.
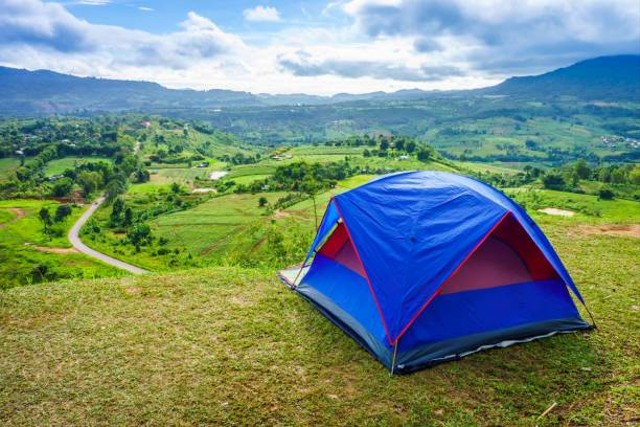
point(45, 218)
point(582, 169)
point(113, 189)
point(606, 194)
point(89, 181)
point(634, 175)
point(618, 176)
point(128, 217)
point(262, 202)
point(384, 145)
point(554, 181)
point(175, 188)
point(411, 147)
point(139, 234)
point(117, 212)
point(62, 187)
point(62, 212)
point(425, 153)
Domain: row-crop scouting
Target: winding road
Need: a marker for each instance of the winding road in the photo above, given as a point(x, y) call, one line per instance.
point(74, 238)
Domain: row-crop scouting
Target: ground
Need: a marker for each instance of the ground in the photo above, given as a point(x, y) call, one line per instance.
point(233, 346)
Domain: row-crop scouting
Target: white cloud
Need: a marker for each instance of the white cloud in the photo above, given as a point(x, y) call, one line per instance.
point(507, 37)
point(455, 45)
point(262, 14)
point(94, 2)
point(146, 9)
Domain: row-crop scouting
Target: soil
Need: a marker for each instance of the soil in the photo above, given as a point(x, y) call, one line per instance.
point(624, 230)
point(556, 211)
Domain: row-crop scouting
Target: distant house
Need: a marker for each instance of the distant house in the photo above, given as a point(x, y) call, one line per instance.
point(146, 124)
point(203, 165)
point(403, 157)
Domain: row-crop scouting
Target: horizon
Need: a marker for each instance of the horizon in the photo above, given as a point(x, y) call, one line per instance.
point(313, 47)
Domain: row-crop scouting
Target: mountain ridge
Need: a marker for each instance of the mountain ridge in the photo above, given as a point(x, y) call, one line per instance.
point(44, 91)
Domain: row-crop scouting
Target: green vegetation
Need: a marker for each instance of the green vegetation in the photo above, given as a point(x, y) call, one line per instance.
point(29, 255)
point(156, 349)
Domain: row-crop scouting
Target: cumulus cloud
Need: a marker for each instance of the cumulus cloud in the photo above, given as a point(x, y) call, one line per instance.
point(262, 14)
point(32, 25)
point(48, 25)
point(496, 32)
point(304, 65)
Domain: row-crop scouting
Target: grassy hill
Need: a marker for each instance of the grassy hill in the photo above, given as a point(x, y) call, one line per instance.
point(232, 346)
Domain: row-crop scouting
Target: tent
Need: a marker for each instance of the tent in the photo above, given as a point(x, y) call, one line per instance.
point(425, 267)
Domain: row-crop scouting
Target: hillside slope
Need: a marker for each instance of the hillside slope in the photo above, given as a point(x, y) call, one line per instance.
point(609, 77)
point(228, 346)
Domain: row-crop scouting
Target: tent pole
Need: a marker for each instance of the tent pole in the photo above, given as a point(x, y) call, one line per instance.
point(393, 360)
point(590, 315)
point(293, 285)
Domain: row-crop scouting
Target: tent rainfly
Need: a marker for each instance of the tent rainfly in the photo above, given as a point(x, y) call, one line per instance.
point(426, 267)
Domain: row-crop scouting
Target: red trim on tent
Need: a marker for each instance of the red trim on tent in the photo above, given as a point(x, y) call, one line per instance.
point(366, 275)
point(335, 242)
point(437, 292)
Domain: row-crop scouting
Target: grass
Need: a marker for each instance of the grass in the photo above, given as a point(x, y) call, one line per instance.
point(248, 179)
point(7, 167)
point(27, 255)
point(183, 175)
point(58, 166)
point(230, 346)
point(588, 209)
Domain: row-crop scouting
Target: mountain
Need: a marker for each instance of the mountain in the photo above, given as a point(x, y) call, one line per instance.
point(32, 92)
point(42, 92)
point(605, 78)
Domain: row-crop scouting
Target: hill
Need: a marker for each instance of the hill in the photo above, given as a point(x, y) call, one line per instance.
point(43, 92)
point(606, 78)
point(235, 347)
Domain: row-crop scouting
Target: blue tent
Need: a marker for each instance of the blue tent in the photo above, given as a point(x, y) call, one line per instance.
point(425, 267)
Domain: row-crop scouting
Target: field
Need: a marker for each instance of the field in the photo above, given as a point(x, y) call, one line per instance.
point(28, 255)
point(8, 167)
point(58, 166)
point(156, 350)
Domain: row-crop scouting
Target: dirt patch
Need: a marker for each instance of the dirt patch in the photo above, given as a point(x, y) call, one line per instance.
point(281, 214)
point(18, 213)
point(624, 230)
point(134, 290)
point(61, 251)
point(557, 212)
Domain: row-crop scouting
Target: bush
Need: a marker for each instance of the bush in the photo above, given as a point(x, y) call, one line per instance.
point(606, 194)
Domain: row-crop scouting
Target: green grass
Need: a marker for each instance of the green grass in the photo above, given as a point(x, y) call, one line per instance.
point(230, 346)
point(588, 209)
point(7, 167)
point(58, 166)
point(24, 248)
point(248, 179)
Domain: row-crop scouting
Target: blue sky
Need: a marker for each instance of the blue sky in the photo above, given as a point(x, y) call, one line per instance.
point(313, 46)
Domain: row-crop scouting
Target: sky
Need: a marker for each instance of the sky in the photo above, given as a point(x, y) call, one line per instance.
point(314, 46)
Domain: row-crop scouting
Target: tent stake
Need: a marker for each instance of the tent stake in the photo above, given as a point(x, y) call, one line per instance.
point(393, 361)
point(590, 315)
